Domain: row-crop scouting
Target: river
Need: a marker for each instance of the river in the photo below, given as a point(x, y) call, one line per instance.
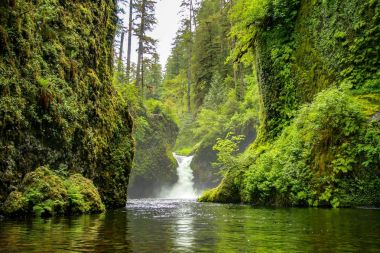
point(177, 223)
point(164, 225)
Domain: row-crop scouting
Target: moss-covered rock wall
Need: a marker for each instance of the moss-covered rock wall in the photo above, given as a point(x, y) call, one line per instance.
point(154, 165)
point(57, 103)
point(304, 46)
point(317, 64)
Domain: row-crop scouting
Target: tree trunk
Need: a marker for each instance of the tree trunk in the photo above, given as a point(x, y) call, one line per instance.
point(190, 56)
point(142, 76)
point(138, 68)
point(129, 40)
point(121, 53)
point(140, 50)
point(188, 91)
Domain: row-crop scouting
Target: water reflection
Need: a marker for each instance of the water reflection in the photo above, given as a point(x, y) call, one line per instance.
point(87, 233)
point(184, 238)
point(186, 226)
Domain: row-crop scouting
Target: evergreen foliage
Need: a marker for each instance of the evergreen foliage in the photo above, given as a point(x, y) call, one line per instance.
point(219, 92)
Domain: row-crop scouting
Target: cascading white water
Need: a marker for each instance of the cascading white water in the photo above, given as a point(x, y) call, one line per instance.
point(184, 188)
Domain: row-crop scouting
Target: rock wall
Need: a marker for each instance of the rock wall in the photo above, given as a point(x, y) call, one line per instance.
point(57, 104)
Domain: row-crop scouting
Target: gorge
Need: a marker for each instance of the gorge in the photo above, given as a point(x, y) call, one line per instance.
point(261, 132)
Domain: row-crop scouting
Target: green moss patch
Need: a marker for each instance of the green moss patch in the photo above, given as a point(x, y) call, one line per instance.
point(44, 193)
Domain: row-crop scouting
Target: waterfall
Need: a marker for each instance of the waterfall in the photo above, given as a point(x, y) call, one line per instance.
point(184, 188)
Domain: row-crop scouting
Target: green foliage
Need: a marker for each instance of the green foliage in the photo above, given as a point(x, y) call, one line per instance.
point(185, 151)
point(227, 149)
point(217, 93)
point(155, 107)
point(292, 44)
point(327, 156)
point(219, 103)
point(222, 113)
point(210, 48)
point(43, 193)
point(323, 153)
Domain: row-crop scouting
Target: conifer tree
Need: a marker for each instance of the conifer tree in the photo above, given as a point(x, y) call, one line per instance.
point(145, 15)
point(187, 9)
point(130, 27)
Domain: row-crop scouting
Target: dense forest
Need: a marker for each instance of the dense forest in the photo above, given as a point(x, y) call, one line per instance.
point(278, 102)
point(316, 65)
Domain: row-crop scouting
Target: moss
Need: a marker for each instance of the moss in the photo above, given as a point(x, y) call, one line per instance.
point(370, 102)
point(44, 193)
point(4, 40)
point(83, 195)
point(58, 106)
point(186, 151)
point(15, 203)
point(293, 53)
point(226, 192)
point(154, 165)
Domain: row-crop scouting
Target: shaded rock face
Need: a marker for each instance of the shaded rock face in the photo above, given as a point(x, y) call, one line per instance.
point(375, 117)
point(205, 174)
point(57, 103)
point(154, 165)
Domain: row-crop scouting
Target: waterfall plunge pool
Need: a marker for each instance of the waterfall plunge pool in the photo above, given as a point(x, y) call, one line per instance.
point(177, 223)
point(163, 225)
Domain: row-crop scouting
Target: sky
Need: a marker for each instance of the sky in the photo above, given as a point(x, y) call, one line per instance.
point(168, 21)
point(168, 24)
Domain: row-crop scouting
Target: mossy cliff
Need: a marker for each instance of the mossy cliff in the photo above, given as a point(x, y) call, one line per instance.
point(57, 104)
point(304, 47)
point(317, 64)
point(154, 165)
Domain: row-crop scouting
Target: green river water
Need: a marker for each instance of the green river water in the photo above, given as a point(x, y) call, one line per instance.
point(159, 225)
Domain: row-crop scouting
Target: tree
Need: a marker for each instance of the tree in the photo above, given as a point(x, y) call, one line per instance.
point(187, 29)
point(153, 76)
point(147, 45)
point(210, 47)
point(130, 27)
